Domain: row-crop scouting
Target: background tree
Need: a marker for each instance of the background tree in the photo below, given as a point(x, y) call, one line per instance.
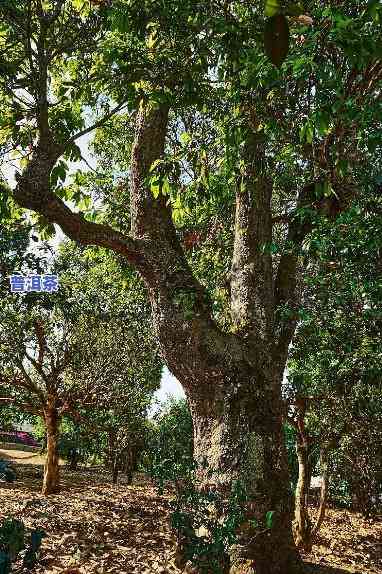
point(334, 368)
point(59, 356)
point(169, 451)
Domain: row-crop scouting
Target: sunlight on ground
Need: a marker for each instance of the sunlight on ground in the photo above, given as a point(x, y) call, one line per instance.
point(94, 527)
point(22, 457)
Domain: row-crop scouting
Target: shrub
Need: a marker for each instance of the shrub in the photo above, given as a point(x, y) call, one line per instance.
point(13, 541)
point(169, 453)
point(7, 473)
point(206, 524)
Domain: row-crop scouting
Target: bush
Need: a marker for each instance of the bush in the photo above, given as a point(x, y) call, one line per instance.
point(7, 473)
point(169, 454)
point(13, 541)
point(206, 525)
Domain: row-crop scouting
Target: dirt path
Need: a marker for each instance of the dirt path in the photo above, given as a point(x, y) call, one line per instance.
point(23, 457)
point(95, 528)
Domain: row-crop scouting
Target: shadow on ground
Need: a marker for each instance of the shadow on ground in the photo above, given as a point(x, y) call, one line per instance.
point(94, 526)
point(29, 476)
point(317, 569)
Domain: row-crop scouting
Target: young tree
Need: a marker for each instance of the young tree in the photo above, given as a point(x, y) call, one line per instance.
point(69, 353)
point(334, 368)
point(284, 139)
point(34, 356)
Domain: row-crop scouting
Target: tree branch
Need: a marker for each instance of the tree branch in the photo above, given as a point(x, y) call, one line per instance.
point(94, 126)
point(41, 339)
point(33, 192)
point(22, 406)
point(252, 304)
point(27, 383)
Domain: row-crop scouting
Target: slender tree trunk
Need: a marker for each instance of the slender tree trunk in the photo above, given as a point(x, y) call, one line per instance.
point(324, 468)
point(113, 456)
point(51, 483)
point(240, 436)
point(302, 524)
point(309, 471)
point(130, 462)
point(115, 469)
point(73, 459)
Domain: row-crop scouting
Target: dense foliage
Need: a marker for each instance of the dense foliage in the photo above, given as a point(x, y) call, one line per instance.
point(169, 451)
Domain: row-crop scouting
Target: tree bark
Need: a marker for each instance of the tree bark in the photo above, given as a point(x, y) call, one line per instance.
point(51, 483)
point(324, 469)
point(113, 456)
point(302, 524)
point(129, 464)
point(239, 433)
point(73, 459)
point(115, 469)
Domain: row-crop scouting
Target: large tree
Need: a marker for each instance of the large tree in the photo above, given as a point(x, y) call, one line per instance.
point(282, 147)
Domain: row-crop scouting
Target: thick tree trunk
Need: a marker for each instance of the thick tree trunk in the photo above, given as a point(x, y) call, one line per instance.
point(239, 434)
point(51, 483)
point(302, 524)
point(238, 423)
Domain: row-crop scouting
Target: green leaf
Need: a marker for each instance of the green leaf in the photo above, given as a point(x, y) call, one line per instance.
point(58, 173)
point(276, 39)
point(324, 189)
point(85, 203)
point(272, 7)
point(155, 190)
point(295, 9)
point(307, 132)
point(269, 518)
point(323, 123)
point(374, 8)
point(155, 164)
point(165, 186)
point(185, 138)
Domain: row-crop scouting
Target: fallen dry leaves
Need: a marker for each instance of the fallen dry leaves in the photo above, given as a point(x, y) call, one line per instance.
point(95, 528)
point(348, 542)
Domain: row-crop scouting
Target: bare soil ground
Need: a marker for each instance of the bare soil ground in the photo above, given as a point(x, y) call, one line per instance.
point(24, 457)
point(95, 528)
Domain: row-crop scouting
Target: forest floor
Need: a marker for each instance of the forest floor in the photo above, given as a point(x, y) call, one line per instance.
point(95, 528)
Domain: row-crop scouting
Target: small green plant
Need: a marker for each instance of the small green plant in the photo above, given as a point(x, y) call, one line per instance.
point(32, 550)
point(207, 523)
point(5, 563)
point(13, 542)
point(6, 471)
